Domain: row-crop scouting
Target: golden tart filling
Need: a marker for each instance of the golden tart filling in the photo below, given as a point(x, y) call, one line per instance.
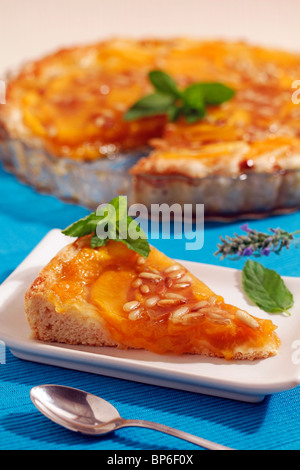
point(74, 101)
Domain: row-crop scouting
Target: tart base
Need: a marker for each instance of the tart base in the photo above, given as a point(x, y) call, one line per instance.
point(225, 198)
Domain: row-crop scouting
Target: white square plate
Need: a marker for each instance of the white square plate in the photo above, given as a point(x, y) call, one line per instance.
point(241, 380)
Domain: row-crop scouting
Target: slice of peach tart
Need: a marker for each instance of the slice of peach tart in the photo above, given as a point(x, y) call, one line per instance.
point(110, 295)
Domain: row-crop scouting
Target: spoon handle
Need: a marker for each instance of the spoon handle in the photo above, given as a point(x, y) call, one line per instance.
point(173, 432)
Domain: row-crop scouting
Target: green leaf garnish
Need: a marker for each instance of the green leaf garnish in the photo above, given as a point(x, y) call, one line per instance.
point(111, 222)
point(169, 100)
point(83, 226)
point(194, 98)
point(266, 288)
point(164, 83)
point(214, 93)
point(150, 105)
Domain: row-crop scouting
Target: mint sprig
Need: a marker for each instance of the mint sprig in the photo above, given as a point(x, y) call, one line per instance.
point(168, 99)
point(111, 223)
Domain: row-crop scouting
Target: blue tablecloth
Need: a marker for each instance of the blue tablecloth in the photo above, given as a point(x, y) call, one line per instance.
point(25, 217)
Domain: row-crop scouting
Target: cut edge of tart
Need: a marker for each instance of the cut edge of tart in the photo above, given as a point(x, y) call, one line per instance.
point(112, 296)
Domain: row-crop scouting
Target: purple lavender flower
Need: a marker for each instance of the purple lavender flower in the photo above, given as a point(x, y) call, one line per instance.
point(245, 228)
point(255, 243)
point(265, 251)
point(248, 251)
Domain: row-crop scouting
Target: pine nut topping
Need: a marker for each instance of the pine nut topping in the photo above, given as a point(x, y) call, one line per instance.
point(172, 295)
point(153, 270)
point(177, 274)
point(186, 278)
point(129, 306)
point(135, 314)
point(152, 276)
point(181, 285)
point(174, 267)
point(151, 301)
point(145, 289)
point(178, 314)
point(140, 261)
point(198, 305)
point(215, 316)
point(166, 302)
point(137, 282)
point(247, 319)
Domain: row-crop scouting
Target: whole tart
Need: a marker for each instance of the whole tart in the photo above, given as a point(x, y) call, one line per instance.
point(62, 129)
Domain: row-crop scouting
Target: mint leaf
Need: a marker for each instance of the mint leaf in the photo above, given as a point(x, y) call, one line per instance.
point(216, 93)
point(136, 239)
point(97, 242)
point(193, 97)
point(82, 227)
point(150, 105)
point(139, 245)
point(113, 223)
point(163, 83)
point(266, 288)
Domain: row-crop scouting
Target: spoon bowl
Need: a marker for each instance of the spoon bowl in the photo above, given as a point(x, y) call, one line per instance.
point(83, 412)
point(75, 409)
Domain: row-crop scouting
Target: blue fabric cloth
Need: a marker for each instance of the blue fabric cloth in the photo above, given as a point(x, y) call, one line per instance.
point(25, 217)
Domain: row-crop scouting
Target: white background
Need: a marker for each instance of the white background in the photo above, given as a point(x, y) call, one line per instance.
point(31, 28)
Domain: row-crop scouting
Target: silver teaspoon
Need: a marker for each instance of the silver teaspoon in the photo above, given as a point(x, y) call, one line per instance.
point(89, 414)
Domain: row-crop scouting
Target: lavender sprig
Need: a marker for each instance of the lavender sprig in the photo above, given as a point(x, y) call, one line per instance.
point(255, 243)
